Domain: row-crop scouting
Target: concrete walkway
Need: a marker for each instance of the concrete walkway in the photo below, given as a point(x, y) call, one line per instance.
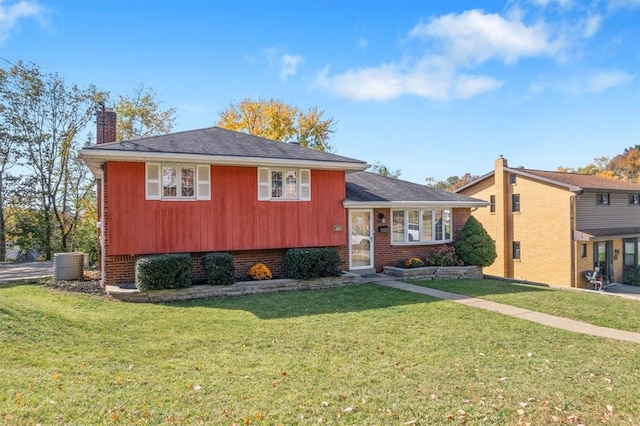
point(526, 314)
point(13, 272)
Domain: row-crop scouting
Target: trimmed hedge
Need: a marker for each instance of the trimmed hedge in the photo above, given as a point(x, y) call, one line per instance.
point(310, 263)
point(219, 268)
point(163, 271)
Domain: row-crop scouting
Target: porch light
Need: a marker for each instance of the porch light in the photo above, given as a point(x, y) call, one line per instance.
point(382, 218)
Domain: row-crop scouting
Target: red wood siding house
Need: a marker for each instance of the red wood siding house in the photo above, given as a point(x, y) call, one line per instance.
point(212, 190)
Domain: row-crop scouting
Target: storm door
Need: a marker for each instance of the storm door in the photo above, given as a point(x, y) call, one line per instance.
point(361, 239)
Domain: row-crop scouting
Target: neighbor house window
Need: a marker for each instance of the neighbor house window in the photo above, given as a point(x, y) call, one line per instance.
point(602, 198)
point(420, 226)
point(516, 250)
point(634, 199)
point(492, 204)
point(284, 184)
point(512, 178)
point(630, 253)
point(515, 203)
point(177, 182)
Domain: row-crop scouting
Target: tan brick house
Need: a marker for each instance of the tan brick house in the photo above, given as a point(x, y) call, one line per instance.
point(551, 227)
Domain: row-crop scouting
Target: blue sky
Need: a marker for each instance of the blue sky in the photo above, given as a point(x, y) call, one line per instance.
point(435, 88)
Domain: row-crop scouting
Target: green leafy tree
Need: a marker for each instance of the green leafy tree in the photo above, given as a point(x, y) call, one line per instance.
point(140, 115)
point(382, 170)
point(475, 246)
point(45, 118)
point(451, 183)
point(273, 119)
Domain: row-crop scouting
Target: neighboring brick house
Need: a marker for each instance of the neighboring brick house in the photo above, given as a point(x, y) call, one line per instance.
point(551, 227)
point(213, 189)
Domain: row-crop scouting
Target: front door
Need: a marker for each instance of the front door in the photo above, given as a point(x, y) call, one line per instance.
point(361, 239)
point(603, 259)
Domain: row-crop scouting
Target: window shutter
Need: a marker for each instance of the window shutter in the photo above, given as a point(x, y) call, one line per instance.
point(305, 184)
point(263, 184)
point(154, 183)
point(204, 182)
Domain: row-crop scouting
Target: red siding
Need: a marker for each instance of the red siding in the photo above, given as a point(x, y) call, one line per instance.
point(233, 219)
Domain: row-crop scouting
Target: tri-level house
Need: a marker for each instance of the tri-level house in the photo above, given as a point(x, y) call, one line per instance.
point(212, 190)
point(551, 227)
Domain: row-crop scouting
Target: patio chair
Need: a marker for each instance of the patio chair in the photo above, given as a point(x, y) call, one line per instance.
point(594, 278)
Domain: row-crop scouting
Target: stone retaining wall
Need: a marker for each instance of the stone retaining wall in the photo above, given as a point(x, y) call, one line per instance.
point(240, 288)
point(436, 273)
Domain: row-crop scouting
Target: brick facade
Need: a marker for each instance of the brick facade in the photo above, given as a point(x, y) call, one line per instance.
point(121, 269)
point(387, 254)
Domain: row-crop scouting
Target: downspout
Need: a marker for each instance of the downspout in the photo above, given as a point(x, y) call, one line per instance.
point(101, 237)
point(572, 207)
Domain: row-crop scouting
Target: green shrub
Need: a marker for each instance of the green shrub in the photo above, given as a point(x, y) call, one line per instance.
point(163, 271)
point(475, 246)
point(219, 268)
point(632, 276)
point(312, 263)
point(443, 255)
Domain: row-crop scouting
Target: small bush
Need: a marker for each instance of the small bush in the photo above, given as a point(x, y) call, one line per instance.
point(259, 271)
point(475, 246)
point(163, 271)
point(219, 268)
point(414, 262)
point(632, 276)
point(308, 263)
point(444, 255)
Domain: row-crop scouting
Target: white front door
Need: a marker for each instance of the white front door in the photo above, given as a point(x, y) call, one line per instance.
point(361, 239)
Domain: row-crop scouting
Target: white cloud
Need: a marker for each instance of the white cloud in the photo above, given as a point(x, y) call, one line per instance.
point(363, 43)
point(591, 26)
point(624, 4)
point(289, 65)
point(12, 13)
point(601, 81)
point(474, 37)
point(390, 81)
point(545, 3)
point(453, 43)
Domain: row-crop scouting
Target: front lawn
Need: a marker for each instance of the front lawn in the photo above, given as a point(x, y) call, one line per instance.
point(355, 355)
point(594, 308)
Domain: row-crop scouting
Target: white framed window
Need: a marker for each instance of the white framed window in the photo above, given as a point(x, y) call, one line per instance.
point(177, 182)
point(602, 198)
point(284, 184)
point(420, 226)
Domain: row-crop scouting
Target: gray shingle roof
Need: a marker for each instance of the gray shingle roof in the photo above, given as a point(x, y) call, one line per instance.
point(366, 187)
point(216, 141)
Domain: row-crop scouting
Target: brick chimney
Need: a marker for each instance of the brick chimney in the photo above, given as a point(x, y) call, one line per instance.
point(106, 119)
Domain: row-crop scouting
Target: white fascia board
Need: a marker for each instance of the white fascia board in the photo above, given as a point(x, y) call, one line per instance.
point(411, 204)
point(101, 156)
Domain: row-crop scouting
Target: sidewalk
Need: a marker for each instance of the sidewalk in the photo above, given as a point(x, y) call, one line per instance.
point(526, 314)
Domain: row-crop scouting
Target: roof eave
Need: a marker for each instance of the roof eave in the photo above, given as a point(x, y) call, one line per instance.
point(95, 157)
point(412, 204)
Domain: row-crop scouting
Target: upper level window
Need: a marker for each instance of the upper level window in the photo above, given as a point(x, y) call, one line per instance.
point(420, 226)
point(602, 198)
point(177, 182)
point(284, 184)
point(492, 204)
point(512, 178)
point(515, 203)
point(634, 199)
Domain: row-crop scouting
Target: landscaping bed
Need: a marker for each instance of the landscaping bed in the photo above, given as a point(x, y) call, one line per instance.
point(436, 273)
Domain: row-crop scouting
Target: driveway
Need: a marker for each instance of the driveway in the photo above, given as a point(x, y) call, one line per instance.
point(10, 272)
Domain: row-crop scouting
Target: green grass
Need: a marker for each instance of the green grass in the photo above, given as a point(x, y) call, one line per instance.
point(356, 355)
point(594, 308)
